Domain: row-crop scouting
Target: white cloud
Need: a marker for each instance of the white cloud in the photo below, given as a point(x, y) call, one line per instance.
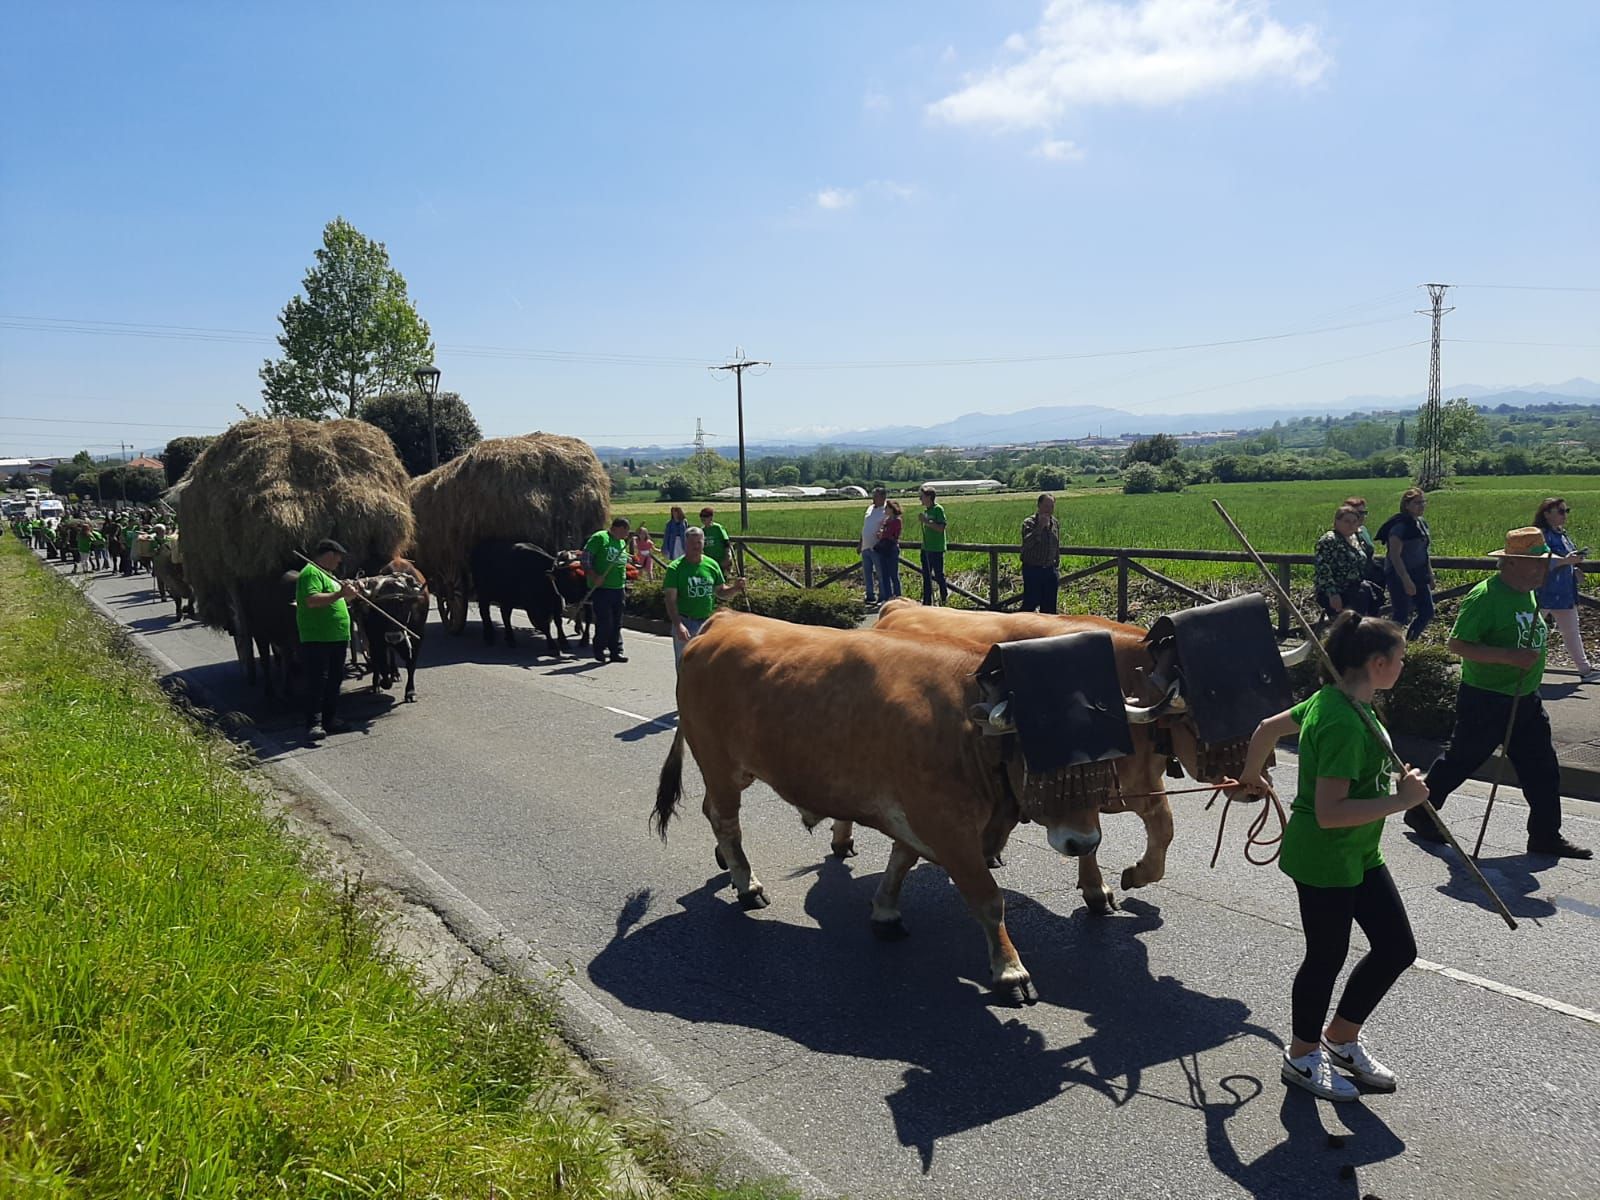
point(875, 101)
point(1150, 52)
point(835, 198)
point(1059, 150)
point(895, 191)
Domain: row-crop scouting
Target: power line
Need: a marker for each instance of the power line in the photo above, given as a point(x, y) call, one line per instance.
point(1431, 436)
point(739, 366)
point(1522, 287)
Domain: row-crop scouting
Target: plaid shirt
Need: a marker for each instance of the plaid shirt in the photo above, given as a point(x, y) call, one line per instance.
point(1041, 541)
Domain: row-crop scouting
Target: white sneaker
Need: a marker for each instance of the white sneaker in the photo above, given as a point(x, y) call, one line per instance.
point(1353, 1059)
point(1592, 675)
point(1315, 1073)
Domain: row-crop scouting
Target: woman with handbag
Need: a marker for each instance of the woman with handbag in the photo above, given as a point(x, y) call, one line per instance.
point(1558, 598)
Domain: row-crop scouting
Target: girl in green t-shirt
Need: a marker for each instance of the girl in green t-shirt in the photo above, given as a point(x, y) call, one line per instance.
point(1330, 850)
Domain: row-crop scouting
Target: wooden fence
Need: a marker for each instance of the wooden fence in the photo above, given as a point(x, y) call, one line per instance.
point(1124, 560)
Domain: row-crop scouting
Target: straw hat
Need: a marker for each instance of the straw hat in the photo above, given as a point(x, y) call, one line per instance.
point(1527, 542)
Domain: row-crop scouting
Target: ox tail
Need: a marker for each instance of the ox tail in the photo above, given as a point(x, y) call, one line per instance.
point(670, 788)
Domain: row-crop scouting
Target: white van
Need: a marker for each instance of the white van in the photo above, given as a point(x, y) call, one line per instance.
point(51, 508)
point(32, 495)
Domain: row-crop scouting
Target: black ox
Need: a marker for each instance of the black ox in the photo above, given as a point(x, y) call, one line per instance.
point(513, 575)
point(393, 620)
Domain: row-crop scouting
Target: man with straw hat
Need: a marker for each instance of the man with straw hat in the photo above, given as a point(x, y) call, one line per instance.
point(1500, 637)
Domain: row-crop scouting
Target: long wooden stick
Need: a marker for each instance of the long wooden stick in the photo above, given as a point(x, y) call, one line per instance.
point(1500, 764)
point(1366, 717)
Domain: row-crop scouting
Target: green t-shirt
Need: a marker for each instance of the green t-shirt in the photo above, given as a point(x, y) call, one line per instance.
point(1494, 615)
point(1335, 743)
point(697, 585)
point(330, 624)
point(933, 540)
point(716, 543)
point(608, 557)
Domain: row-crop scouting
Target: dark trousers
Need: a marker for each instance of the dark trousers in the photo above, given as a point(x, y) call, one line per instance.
point(324, 664)
point(1414, 612)
point(1481, 718)
point(1360, 596)
point(608, 620)
point(933, 569)
point(1039, 586)
point(1326, 914)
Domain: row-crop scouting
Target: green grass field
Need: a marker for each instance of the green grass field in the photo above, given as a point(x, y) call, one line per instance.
point(1468, 518)
point(185, 1011)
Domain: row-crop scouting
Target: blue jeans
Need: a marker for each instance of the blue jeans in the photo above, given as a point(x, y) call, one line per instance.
point(692, 624)
point(869, 572)
point(1404, 605)
point(932, 569)
point(888, 571)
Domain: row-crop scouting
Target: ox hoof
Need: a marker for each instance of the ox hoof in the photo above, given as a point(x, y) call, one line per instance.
point(844, 849)
point(1102, 902)
point(750, 901)
point(722, 863)
point(890, 931)
point(1130, 879)
point(411, 698)
point(993, 861)
point(1017, 993)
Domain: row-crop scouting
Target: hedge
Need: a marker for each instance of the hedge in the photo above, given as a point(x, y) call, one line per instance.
point(1422, 702)
point(804, 606)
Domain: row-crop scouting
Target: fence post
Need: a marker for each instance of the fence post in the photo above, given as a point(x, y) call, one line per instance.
point(807, 574)
point(1122, 589)
point(994, 579)
point(1284, 581)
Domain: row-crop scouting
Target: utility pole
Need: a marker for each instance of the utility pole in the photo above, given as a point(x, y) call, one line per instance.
point(738, 366)
point(1431, 474)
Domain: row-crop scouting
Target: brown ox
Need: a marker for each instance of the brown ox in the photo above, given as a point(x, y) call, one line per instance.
point(817, 715)
point(1141, 775)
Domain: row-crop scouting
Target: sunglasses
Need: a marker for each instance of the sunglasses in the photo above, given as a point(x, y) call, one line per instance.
point(1560, 508)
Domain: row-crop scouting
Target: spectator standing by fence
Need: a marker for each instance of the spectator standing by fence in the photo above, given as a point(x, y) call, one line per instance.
point(888, 551)
point(871, 523)
point(934, 529)
point(1041, 557)
point(691, 587)
point(1558, 598)
point(672, 537)
point(717, 539)
point(1341, 567)
point(1409, 571)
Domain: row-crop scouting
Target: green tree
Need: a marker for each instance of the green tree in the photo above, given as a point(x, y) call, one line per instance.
point(180, 454)
point(1462, 426)
point(404, 417)
point(63, 475)
point(787, 475)
point(709, 470)
point(1362, 439)
point(1400, 435)
point(677, 488)
point(353, 335)
point(1140, 478)
point(20, 481)
point(1153, 450)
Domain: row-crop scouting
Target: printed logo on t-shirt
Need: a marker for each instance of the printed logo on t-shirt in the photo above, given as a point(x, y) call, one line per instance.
point(1531, 631)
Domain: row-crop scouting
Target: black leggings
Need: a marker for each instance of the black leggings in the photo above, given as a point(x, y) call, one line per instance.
point(1326, 914)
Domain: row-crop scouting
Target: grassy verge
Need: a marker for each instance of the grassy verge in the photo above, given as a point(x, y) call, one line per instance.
point(185, 1011)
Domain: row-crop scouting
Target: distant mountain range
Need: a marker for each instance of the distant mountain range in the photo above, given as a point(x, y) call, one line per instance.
point(1059, 422)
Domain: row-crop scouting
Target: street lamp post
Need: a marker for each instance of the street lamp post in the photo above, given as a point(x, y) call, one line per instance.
point(428, 384)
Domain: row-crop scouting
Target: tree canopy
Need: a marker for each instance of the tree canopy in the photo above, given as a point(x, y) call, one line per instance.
point(404, 417)
point(352, 335)
point(180, 455)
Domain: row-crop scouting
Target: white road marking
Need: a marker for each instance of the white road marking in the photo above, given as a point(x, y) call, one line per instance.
point(1505, 989)
point(622, 712)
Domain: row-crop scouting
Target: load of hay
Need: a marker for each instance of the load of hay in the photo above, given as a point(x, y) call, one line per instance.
point(542, 488)
point(266, 491)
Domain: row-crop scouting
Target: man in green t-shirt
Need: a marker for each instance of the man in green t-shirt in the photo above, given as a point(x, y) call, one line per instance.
point(1500, 637)
point(691, 588)
point(605, 564)
point(323, 620)
point(717, 539)
point(933, 524)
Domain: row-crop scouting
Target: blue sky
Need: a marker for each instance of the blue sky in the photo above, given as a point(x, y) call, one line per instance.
point(639, 188)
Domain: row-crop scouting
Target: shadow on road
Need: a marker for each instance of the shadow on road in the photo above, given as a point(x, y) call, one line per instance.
point(667, 722)
point(1514, 876)
point(835, 990)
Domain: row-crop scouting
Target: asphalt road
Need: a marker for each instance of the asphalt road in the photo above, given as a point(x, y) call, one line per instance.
point(1149, 1067)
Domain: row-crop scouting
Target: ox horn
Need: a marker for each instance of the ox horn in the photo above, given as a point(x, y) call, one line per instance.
point(1138, 715)
point(1296, 656)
